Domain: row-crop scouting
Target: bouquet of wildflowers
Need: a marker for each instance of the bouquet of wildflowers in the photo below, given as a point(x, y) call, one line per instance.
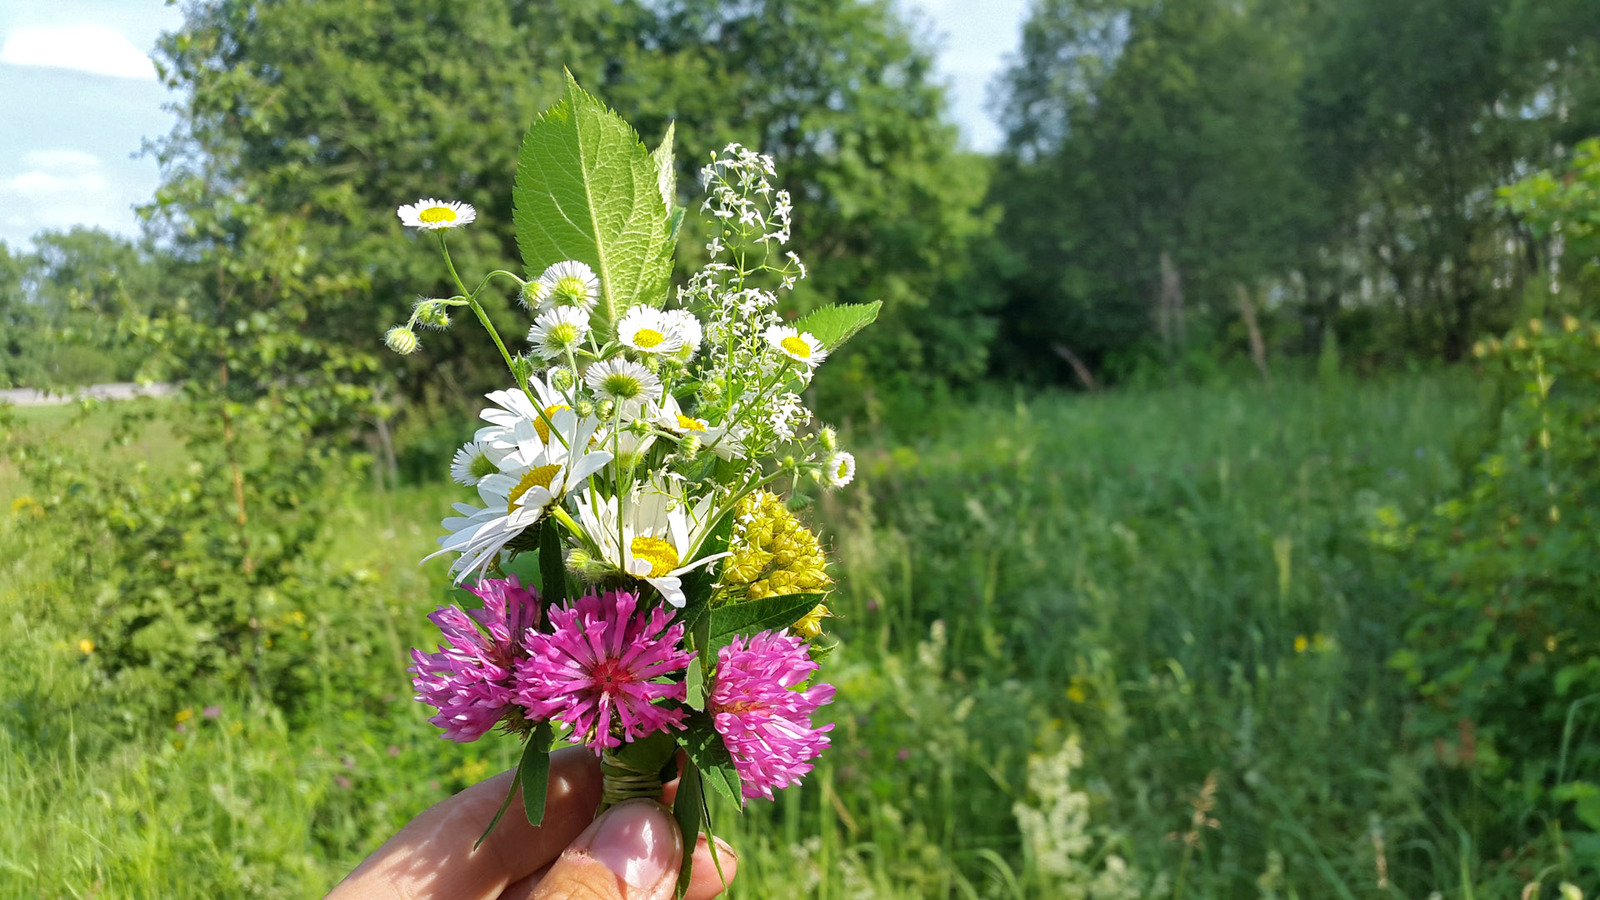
point(644, 585)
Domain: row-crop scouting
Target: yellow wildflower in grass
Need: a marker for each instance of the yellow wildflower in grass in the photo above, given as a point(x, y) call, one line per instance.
point(183, 715)
point(1300, 643)
point(86, 646)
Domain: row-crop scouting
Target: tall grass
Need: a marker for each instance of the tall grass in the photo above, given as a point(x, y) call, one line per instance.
point(1135, 591)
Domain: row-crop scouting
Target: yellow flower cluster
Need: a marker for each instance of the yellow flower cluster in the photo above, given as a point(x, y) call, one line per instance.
point(773, 555)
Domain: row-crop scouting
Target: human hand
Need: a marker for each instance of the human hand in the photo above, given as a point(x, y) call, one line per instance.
point(633, 852)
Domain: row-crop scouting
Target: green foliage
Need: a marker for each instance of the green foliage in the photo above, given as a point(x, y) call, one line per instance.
point(588, 190)
point(1327, 165)
point(1562, 210)
point(1502, 648)
point(332, 112)
point(195, 572)
point(56, 300)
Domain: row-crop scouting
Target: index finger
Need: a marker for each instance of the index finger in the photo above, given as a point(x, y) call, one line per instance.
point(433, 856)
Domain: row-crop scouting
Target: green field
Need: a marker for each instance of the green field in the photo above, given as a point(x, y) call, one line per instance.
point(1137, 591)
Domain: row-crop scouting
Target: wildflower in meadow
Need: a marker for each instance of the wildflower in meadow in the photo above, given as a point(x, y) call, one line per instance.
point(601, 670)
point(839, 469)
point(622, 380)
point(470, 681)
point(566, 283)
point(436, 215)
point(652, 536)
point(471, 465)
point(647, 330)
point(799, 346)
point(765, 723)
point(559, 331)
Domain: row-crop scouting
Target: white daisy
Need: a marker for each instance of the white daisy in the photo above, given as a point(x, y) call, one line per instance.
point(433, 215)
point(471, 464)
point(519, 428)
point(558, 330)
point(799, 346)
point(622, 380)
point(839, 469)
point(518, 497)
point(688, 329)
point(719, 439)
point(645, 329)
point(567, 283)
point(656, 532)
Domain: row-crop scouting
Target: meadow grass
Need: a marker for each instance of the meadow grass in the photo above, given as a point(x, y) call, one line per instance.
point(1058, 618)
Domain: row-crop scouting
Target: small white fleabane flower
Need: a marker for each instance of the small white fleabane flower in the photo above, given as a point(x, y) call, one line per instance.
point(471, 465)
point(622, 380)
point(799, 346)
point(839, 469)
point(558, 330)
point(567, 283)
point(688, 329)
point(645, 329)
point(434, 215)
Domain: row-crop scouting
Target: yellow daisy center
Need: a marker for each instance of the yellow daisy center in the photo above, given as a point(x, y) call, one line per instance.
point(795, 346)
point(687, 424)
point(539, 425)
point(844, 469)
point(539, 477)
point(661, 555)
point(645, 338)
point(435, 214)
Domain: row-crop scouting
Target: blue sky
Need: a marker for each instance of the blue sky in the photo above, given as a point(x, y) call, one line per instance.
point(78, 97)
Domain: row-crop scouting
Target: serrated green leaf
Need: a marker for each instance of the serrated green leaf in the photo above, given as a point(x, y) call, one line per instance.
point(688, 808)
point(833, 325)
point(705, 748)
point(552, 567)
point(766, 614)
point(587, 189)
point(533, 773)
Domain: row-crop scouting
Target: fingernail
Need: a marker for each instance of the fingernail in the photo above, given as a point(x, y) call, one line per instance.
point(637, 840)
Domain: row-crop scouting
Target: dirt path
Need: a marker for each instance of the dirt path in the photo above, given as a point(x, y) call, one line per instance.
point(119, 391)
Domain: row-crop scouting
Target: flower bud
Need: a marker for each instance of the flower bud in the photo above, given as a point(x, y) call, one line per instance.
point(562, 379)
point(585, 409)
point(532, 294)
point(401, 340)
point(710, 392)
point(606, 408)
point(432, 314)
point(829, 439)
point(689, 446)
point(522, 368)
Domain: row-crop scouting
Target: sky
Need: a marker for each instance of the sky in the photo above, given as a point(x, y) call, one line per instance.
point(79, 97)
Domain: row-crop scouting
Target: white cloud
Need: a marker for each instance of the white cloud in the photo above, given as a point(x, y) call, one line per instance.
point(95, 49)
point(60, 188)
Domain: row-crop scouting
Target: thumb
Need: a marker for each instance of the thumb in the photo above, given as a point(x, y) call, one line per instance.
point(632, 852)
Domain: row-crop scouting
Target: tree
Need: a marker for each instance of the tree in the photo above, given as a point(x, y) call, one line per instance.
point(1150, 170)
point(332, 112)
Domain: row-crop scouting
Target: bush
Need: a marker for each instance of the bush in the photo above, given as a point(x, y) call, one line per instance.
point(1504, 646)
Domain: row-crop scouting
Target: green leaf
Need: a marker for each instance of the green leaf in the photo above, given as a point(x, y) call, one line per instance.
point(666, 168)
point(586, 189)
point(504, 805)
point(688, 808)
point(552, 567)
point(706, 750)
point(698, 585)
point(534, 773)
point(766, 614)
point(833, 325)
